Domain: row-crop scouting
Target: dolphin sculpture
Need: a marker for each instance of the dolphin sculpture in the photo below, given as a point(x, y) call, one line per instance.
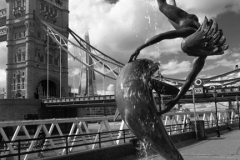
point(134, 85)
point(136, 105)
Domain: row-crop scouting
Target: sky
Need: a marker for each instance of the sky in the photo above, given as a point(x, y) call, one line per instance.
point(118, 27)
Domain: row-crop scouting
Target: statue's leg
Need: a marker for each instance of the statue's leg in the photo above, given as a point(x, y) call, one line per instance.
point(172, 12)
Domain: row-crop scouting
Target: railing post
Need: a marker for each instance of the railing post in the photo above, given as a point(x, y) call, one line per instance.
point(19, 149)
point(99, 137)
point(66, 138)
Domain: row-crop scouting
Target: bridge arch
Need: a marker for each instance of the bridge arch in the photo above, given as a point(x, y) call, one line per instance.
point(41, 87)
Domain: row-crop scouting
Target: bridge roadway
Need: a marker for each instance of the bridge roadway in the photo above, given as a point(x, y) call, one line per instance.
point(109, 100)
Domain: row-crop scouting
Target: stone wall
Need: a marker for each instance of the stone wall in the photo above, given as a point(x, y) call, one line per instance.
point(16, 109)
point(109, 153)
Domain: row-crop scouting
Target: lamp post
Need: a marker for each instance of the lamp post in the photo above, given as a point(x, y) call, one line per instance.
point(215, 97)
point(238, 112)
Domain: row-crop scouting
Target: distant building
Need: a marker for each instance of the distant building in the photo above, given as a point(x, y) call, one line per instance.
point(3, 95)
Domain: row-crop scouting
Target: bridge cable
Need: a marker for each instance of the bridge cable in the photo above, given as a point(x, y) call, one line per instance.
point(56, 36)
point(119, 64)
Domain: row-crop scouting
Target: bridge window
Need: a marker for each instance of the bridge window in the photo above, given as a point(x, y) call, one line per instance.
point(15, 58)
point(41, 58)
point(23, 56)
point(46, 8)
point(23, 80)
point(19, 80)
point(42, 7)
point(51, 10)
point(19, 8)
point(19, 57)
point(18, 86)
point(14, 84)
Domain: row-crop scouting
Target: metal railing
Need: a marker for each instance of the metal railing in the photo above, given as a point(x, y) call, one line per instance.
point(83, 98)
point(67, 144)
point(175, 123)
point(78, 143)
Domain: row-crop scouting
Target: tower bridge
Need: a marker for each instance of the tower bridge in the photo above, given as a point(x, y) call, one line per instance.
point(38, 46)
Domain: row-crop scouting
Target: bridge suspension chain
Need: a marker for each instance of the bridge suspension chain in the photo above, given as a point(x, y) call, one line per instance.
point(113, 66)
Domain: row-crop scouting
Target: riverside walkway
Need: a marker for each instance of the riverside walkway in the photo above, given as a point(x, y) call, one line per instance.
point(226, 147)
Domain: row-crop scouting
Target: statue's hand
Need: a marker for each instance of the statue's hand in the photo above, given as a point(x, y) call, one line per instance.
point(208, 40)
point(135, 55)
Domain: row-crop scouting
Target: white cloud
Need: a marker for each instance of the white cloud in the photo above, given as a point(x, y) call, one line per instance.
point(118, 29)
point(110, 87)
point(109, 91)
point(209, 8)
point(209, 67)
point(174, 67)
point(227, 63)
point(236, 55)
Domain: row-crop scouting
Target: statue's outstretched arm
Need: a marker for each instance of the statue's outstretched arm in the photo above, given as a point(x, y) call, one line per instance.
point(197, 67)
point(167, 35)
point(208, 40)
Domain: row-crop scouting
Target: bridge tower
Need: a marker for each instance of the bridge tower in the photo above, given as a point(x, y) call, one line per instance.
point(31, 53)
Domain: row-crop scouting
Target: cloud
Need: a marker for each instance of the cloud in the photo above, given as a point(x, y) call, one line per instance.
point(209, 8)
point(118, 29)
point(122, 27)
point(174, 67)
point(235, 55)
point(209, 67)
point(109, 91)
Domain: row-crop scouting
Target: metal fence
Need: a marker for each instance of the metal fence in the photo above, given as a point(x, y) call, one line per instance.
point(82, 135)
point(66, 143)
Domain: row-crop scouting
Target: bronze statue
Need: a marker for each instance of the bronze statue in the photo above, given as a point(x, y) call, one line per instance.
point(134, 84)
point(198, 40)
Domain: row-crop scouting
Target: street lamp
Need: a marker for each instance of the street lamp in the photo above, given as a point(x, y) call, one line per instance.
point(238, 112)
point(215, 97)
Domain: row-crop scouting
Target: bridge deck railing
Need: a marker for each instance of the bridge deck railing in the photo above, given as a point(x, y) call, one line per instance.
point(85, 98)
point(175, 123)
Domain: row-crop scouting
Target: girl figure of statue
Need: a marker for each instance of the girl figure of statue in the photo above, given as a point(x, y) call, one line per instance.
point(198, 40)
